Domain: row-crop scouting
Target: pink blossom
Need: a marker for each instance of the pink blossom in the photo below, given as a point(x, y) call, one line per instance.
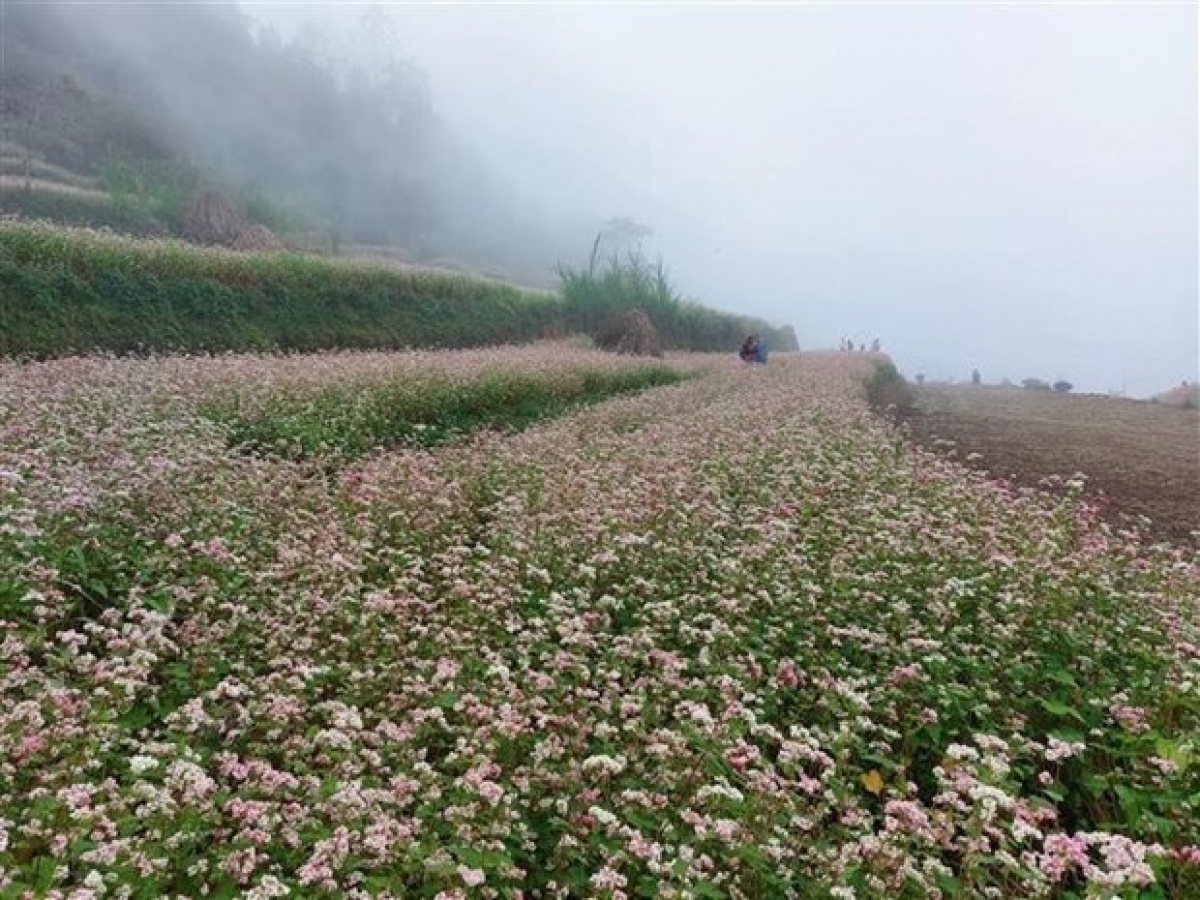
point(471, 877)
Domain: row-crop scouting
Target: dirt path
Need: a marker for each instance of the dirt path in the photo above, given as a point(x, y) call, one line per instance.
point(1143, 457)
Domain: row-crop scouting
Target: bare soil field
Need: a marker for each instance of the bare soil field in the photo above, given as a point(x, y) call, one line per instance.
point(1142, 458)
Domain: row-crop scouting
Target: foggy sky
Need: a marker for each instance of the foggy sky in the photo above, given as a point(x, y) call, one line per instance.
point(1012, 188)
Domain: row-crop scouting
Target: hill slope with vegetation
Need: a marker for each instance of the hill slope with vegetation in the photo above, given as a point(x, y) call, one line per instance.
point(134, 122)
point(147, 103)
point(65, 291)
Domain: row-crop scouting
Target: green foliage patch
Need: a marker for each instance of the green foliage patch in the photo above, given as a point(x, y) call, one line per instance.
point(81, 208)
point(595, 298)
point(347, 421)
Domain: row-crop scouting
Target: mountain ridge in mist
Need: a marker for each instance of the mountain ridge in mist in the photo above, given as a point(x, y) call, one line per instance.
point(360, 148)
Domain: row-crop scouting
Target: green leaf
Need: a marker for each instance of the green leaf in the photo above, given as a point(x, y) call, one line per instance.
point(1058, 708)
point(1062, 677)
point(642, 819)
point(136, 717)
point(160, 603)
point(948, 883)
point(1129, 797)
point(1097, 784)
point(1163, 827)
point(470, 856)
point(1177, 750)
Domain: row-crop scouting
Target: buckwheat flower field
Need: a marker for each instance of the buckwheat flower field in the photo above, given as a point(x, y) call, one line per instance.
point(726, 638)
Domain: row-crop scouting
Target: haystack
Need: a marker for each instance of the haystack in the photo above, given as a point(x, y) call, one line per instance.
point(211, 218)
point(257, 237)
point(632, 334)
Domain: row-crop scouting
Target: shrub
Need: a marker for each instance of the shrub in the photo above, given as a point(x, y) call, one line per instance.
point(887, 390)
point(1035, 384)
point(1063, 387)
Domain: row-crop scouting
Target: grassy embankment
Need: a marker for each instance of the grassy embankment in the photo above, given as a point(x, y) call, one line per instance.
point(68, 290)
point(65, 290)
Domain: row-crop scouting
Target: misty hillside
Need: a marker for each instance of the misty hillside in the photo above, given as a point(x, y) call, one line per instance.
point(145, 104)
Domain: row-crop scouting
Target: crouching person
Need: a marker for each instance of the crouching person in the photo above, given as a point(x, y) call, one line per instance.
point(753, 350)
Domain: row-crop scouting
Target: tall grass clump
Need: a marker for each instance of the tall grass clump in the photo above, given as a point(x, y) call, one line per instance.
point(597, 297)
point(66, 291)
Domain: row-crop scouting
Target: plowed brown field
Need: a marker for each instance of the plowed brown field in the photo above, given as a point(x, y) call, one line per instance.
point(1143, 458)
